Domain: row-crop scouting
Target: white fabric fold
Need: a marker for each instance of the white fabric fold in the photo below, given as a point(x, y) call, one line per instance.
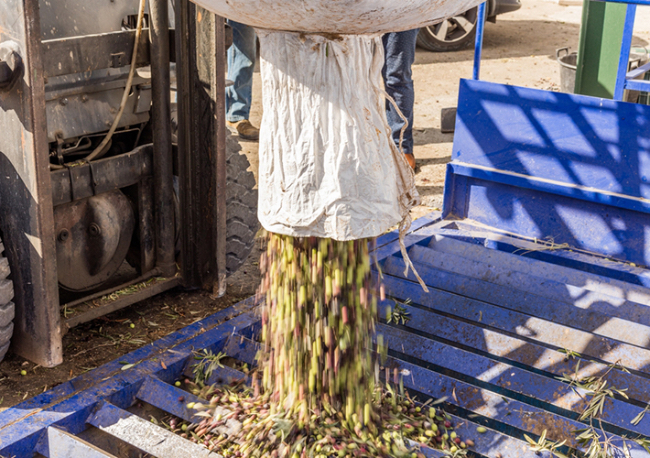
point(328, 166)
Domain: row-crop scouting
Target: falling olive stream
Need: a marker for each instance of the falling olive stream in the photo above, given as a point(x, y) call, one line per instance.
point(316, 391)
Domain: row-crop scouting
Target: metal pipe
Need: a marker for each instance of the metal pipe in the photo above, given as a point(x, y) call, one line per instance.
point(161, 122)
point(624, 60)
point(480, 29)
point(218, 95)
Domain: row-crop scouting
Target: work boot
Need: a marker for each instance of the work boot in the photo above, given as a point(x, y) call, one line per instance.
point(411, 160)
point(246, 130)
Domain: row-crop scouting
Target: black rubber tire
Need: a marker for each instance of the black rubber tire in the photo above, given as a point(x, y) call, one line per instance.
point(241, 196)
point(459, 35)
point(7, 307)
point(241, 202)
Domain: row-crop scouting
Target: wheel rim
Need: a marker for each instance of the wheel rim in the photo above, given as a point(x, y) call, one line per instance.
point(455, 28)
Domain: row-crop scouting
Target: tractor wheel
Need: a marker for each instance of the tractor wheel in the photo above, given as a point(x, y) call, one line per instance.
point(241, 210)
point(241, 201)
point(7, 308)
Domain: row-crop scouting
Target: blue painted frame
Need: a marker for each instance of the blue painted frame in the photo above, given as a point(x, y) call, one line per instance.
point(480, 32)
point(468, 336)
point(23, 427)
point(551, 165)
point(625, 80)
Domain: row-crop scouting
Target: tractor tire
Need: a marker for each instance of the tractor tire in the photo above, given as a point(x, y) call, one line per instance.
point(7, 308)
point(241, 201)
point(241, 206)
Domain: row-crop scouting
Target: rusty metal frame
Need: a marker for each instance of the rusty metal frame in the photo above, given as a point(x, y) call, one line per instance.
point(65, 56)
point(27, 221)
point(200, 54)
point(26, 182)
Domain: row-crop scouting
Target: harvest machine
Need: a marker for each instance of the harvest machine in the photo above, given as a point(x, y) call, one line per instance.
point(538, 275)
point(99, 167)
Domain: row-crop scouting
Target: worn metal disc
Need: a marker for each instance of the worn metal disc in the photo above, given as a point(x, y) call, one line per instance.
point(93, 237)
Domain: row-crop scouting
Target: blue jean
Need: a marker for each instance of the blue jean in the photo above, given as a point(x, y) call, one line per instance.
point(241, 62)
point(398, 77)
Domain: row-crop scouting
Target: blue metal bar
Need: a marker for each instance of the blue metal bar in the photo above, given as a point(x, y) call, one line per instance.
point(637, 85)
point(600, 303)
point(516, 323)
point(428, 452)
point(93, 378)
point(223, 375)
point(450, 242)
point(168, 398)
point(639, 71)
point(20, 436)
point(626, 46)
point(491, 442)
point(480, 30)
point(502, 378)
point(243, 349)
point(516, 351)
point(174, 401)
point(513, 298)
point(553, 187)
point(418, 224)
point(517, 415)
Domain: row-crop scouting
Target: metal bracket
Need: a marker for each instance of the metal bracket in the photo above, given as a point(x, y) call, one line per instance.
point(59, 147)
point(93, 180)
point(116, 60)
point(11, 65)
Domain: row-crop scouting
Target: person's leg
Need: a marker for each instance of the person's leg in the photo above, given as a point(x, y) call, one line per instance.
point(241, 62)
point(400, 55)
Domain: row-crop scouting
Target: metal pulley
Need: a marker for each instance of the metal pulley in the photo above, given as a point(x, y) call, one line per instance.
point(93, 238)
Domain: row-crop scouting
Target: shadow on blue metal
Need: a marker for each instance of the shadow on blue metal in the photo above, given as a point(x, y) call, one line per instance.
point(566, 168)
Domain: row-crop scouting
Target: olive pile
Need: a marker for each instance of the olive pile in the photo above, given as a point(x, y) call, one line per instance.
point(316, 391)
point(239, 423)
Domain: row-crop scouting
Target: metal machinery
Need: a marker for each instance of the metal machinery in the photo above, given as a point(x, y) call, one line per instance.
point(81, 220)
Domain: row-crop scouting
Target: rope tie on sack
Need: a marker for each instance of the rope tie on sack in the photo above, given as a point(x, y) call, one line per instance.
point(405, 224)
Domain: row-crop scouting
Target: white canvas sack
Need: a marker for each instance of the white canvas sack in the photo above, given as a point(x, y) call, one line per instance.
point(328, 166)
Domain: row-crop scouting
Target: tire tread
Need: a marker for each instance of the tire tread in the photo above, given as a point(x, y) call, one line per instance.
point(7, 307)
point(242, 223)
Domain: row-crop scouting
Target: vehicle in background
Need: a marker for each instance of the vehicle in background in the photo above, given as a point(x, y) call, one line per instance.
point(458, 32)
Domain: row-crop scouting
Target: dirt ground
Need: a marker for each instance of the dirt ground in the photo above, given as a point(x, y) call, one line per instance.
point(100, 341)
point(519, 50)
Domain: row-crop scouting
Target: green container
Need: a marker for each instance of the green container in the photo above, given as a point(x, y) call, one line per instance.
point(601, 35)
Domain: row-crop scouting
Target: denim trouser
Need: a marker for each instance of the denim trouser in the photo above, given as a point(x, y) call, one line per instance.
point(400, 55)
point(241, 62)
